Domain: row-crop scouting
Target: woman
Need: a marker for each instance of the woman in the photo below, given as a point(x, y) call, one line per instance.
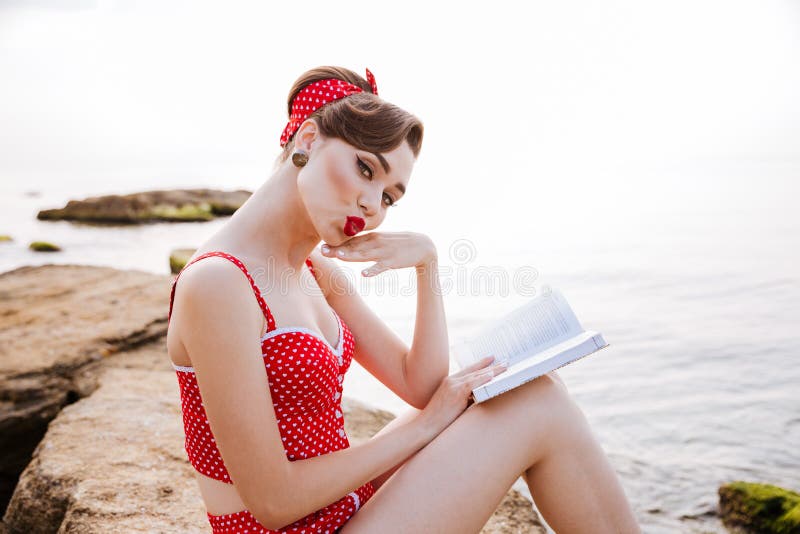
point(250, 306)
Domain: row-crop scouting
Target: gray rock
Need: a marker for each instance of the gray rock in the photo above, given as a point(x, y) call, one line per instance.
point(114, 461)
point(179, 205)
point(57, 322)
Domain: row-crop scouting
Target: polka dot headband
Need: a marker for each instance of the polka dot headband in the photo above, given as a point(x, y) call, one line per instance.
point(315, 95)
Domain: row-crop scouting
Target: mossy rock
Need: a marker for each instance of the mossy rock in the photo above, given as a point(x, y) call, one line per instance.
point(178, 258)
point(764, 508)
point(43, 246)
point(187, 212)
point(222, 208)
point(179, 205)
point(5, 238)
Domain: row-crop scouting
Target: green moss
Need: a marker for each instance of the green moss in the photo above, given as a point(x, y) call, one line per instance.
point(178, 258)
point(187, 212)
point(760, 507)
point(43, 246)
point(5, 237)
point(224, 208)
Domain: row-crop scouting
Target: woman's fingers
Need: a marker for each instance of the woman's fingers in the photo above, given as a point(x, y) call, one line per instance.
point(374, 269)
point(350, 251)
point(483, 362)
point(394, 250)
point(478, 378)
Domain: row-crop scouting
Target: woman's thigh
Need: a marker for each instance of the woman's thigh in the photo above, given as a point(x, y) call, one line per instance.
point(408, 415)
point(455, 483)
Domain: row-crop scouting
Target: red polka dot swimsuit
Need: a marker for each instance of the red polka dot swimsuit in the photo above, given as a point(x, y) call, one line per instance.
point(305, 376)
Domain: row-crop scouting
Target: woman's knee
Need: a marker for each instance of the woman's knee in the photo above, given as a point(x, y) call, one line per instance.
point(557, 378)
point(565, 420)
point(544, 400)
point(545, 393)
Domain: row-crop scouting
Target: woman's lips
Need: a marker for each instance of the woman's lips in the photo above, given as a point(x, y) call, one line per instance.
point(353, 225)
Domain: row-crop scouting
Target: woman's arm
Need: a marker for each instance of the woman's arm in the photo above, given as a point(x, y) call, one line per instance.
point(219, 322)
point(427, 361)
point(412, 373)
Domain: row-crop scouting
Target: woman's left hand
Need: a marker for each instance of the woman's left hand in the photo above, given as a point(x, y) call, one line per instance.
point(389, 250)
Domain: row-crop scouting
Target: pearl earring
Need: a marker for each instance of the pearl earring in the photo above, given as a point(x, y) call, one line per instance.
point(299, 157)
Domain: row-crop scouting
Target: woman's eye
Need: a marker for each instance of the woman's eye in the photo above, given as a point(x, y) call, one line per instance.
point(366, 171)
point(364, 167)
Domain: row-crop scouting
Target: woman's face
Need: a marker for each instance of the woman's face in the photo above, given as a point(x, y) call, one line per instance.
point(341, 181)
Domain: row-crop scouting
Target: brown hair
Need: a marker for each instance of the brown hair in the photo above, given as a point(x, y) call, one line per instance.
point(363, 119)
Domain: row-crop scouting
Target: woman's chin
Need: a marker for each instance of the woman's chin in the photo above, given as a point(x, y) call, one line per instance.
point(336, 237)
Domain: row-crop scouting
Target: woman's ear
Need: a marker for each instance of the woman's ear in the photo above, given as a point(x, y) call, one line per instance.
point(306, 134)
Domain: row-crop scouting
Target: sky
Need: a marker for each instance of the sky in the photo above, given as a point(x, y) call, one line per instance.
point(534, 104)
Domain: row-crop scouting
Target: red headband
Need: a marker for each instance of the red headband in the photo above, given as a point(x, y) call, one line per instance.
point(315, 95)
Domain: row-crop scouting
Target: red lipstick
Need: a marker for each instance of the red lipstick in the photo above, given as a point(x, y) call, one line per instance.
point(353, 225)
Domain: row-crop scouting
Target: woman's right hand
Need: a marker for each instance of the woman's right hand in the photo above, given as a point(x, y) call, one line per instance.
point(453, 395)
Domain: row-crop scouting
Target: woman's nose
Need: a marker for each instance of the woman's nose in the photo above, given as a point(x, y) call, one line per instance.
point(369, 205)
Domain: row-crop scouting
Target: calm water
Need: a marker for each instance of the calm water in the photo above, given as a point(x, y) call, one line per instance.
point(698, 295)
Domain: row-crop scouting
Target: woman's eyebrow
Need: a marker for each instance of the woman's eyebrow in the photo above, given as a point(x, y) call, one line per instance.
point(384, 163)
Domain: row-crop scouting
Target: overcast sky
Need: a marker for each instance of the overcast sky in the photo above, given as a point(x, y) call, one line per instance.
point(121, 95)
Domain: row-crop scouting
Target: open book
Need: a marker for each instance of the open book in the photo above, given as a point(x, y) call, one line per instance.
point(536, 338)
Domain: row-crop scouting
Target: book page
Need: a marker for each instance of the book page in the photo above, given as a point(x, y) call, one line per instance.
point(555, 357)
point(542, 323)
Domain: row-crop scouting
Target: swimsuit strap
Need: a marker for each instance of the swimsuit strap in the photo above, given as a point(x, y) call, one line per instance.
point(240, 265)
point(311, 267)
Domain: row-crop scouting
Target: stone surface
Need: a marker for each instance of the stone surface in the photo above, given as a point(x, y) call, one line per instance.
point(86, 346)
point(163, 205)
point(114, 461)
point(56, 324)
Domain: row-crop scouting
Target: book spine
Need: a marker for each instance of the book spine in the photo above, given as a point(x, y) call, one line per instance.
point(480, 395)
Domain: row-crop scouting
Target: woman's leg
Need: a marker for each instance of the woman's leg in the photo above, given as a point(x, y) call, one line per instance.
point(406, 416)
point(581, 462)
point(456, 482)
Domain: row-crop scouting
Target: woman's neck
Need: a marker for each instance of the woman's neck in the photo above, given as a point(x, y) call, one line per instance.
point(272, 223)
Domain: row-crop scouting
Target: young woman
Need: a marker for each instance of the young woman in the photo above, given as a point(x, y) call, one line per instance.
point(264, 328)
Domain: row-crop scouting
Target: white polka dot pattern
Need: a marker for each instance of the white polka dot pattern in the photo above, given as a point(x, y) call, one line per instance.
point(315, 95)
point(306, 379)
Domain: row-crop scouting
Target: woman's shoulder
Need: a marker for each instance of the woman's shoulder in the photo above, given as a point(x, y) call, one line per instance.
point(212, 300)
point(213, 285)
point(210, 271)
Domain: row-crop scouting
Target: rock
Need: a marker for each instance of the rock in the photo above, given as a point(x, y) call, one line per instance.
point(763, 508)
point(4, 238)
point(361, 422)
point(43, 246)
point(112, 459)
point(56, 323)
point(162, 205)
point(178, 258)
